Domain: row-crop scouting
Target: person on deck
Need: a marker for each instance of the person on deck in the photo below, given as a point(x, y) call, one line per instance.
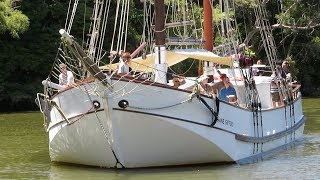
point(259, 62)
point(228, 93)
point(216, 87)
point(124, 68)
point(275, 95)
point(176, 82)
point(66, 77)
point(255, 69)
point(203, 85)
point(285, 70)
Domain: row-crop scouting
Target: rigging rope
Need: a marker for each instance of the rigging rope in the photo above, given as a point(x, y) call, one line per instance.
point(104, 130)
point(214, 114)
point(191, 96)
point(185, 72)
point(75, 5)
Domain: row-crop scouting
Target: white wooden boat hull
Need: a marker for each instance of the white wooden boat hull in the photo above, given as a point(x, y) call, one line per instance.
point(163, 132)
point(81, 143)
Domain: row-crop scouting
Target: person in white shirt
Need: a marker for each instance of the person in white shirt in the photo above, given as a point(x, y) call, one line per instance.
point(124, 64)
point(66, 77)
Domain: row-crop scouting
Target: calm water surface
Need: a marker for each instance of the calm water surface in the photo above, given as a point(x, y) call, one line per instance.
point(24, 155)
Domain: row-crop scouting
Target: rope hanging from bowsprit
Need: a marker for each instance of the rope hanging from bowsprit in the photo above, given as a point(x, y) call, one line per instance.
point(214, 114)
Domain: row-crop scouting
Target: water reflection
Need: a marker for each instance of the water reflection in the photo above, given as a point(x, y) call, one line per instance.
point(311, 108)
point(297, 162)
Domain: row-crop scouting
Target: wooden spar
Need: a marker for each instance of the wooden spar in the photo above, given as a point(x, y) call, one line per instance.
point(159, 23)
point(135, 52)
point(86, 61)
point(208, 32)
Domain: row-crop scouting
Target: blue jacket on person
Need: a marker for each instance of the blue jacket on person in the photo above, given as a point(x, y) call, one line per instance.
point(224, 92)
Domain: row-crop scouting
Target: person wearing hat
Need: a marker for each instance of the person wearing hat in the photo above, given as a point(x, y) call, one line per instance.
point(124, 68)
point(66, 77)
point(203, 86)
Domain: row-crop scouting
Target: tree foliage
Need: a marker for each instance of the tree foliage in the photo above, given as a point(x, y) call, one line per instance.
point(11, 19)
point(295, 26)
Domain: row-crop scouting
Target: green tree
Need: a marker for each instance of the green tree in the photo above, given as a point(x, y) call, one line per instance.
point(26, 61)
point(11, 19)
point(296, 30)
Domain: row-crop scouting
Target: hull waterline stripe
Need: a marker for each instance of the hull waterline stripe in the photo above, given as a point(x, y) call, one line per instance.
point(239, 137)
point(271, 137)
point(260, 156)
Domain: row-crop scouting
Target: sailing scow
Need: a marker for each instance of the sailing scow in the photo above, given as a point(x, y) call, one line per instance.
point(105, 105)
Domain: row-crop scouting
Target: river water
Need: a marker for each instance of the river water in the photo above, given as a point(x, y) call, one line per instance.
point(24, 155)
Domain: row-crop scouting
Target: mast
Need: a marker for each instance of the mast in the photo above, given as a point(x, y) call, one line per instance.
point(159, 23)
point(208, 35)
point(207, 24)
point(160, 50)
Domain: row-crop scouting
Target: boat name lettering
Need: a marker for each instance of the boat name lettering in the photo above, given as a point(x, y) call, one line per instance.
point(225, 122)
